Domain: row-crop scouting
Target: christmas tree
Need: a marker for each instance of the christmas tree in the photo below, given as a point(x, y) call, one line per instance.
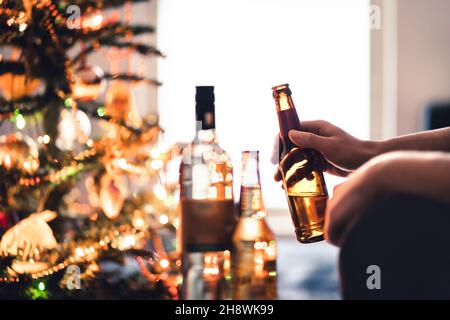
point(85, 206)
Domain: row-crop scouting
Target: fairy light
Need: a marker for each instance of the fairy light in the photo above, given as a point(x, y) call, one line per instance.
point(122, 163)
point(20, 122)
point(93, 22)
point(46, 139)
point(22, 27)
point(7, 161)
point(164, 263)
point(156, 164)
point(41, 286)
point(80, 256)
point(163, 219)
point(101, 111)
point(128, 242)
point(79, 252)
point(159, 191)
point(138, 223)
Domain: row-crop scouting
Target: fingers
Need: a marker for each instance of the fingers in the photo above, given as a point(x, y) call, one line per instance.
point(318, 127)
point(277, 175)
point(308, 140)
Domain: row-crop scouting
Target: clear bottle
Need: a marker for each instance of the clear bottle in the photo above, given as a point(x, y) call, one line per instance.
point(207, 217)
point(254, 247)
point(301, 172)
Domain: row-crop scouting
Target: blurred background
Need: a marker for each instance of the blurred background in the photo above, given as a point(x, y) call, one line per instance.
point(376, 68)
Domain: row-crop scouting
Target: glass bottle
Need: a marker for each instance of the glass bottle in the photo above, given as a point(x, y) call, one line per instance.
point(254, 247)
point(301, 172)
point(207, 216)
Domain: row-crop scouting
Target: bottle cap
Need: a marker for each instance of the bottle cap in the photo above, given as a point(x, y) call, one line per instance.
point(282, 88)
point(204, 106)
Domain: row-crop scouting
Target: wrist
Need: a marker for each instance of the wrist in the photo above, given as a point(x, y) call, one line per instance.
point(371, 149)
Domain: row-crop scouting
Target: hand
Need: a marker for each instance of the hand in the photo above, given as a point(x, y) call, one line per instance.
point(342, 152)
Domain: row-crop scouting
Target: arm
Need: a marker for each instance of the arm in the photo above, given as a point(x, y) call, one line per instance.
point(434, 140)
point(346, 152)
point(425, 174)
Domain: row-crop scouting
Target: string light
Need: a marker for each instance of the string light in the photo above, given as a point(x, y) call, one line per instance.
point(20, 121)
point(164, 263)
point(159, 191)
point(81, 255)
point(163, 219)
point(46, 139)
point(41, 286)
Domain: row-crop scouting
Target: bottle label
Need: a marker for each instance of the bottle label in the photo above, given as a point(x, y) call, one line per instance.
point(207, 225)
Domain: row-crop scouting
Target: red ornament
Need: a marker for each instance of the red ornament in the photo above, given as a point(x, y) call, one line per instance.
point(4, 221)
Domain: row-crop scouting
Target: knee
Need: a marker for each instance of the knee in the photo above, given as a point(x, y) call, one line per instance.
point(405, 238)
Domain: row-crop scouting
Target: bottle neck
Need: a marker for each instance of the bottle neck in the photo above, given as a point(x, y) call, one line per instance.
point(287, 118)
point(251, 202)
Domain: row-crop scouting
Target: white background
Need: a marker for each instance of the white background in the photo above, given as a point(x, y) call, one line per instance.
point(243, 48)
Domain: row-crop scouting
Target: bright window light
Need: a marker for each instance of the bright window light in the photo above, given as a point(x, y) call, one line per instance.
point(243, 48)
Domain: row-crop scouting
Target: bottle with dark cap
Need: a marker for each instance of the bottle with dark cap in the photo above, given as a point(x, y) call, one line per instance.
point(204, 107)
point(207, 216)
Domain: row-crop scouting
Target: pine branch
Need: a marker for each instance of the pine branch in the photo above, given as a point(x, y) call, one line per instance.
point(26, 105)
point(117, 30)
point(89, 4)
point(140, 48)
point(90, 110)
point(132, 78)
point(13, 67)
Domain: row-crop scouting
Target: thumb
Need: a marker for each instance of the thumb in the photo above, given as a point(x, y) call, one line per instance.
point(307, 140)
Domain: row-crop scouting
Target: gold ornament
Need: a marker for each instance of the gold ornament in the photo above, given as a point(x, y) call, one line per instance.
point(16, 86)
point(30, 236)
point(112, 194)
point(120, 104)
point(19, 152)
point(88, 83)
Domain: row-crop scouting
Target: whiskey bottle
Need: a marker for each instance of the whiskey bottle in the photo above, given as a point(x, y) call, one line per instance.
point(207, 217)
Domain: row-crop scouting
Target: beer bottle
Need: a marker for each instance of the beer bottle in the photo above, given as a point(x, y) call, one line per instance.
point(301, 172)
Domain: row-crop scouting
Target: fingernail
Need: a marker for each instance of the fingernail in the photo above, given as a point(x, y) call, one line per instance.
point(293, 134)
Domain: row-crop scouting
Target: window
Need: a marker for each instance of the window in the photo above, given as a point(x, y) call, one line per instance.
point(243, 48)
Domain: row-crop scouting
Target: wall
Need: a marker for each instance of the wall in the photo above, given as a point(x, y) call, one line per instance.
point(145, 95)
point(410, 64)
point(423, 59)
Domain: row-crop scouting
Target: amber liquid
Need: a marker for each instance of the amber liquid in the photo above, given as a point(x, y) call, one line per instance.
point(306, 192)
point(207, 225)
point(254, 251)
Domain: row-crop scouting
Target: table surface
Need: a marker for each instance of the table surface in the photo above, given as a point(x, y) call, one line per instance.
point(307, 271)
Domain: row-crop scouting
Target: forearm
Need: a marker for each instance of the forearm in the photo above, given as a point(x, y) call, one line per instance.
point(424, 174)
point(434, 140)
